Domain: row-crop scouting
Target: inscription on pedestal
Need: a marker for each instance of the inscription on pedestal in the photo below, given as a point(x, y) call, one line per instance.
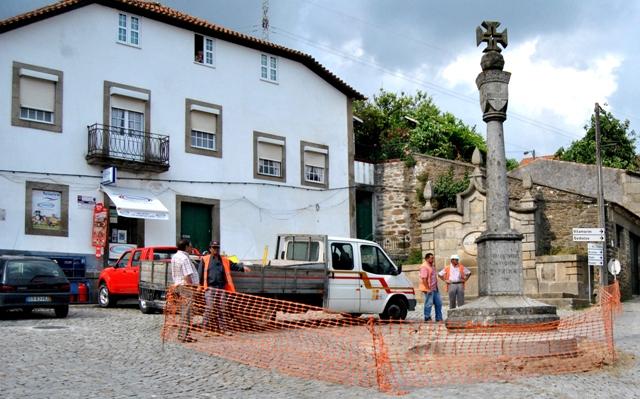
point(500, 264)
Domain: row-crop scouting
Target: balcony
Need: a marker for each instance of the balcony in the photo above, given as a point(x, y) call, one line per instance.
point(127, 149)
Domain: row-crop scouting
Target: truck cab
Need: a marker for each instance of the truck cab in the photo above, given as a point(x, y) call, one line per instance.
point(362, 278)
point(120, 280)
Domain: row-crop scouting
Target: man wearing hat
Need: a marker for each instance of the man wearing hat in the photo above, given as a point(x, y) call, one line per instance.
point(455, 275)
point(216, 271)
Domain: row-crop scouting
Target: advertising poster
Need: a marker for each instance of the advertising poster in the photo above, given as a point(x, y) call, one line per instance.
point(46, 210)
point(100, 226)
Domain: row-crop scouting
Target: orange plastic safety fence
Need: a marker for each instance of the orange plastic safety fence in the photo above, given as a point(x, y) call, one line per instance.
point(393, 356)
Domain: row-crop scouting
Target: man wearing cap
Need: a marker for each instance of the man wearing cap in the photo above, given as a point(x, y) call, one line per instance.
point(216, 280)
point(455, 275)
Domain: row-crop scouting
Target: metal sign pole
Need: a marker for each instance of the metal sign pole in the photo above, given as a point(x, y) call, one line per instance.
point(601, 214)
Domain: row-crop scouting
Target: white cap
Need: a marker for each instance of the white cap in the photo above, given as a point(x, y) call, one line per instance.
point(456, 257)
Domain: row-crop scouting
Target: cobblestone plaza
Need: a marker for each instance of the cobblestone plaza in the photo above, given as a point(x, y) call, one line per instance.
point(118, 353)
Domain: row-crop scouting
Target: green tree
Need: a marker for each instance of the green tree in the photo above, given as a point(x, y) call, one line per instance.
point(617, 144)
point(512, 164)
point(395, 125)
point(446, 188)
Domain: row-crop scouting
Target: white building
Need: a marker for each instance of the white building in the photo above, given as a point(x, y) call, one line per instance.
point(238, 138)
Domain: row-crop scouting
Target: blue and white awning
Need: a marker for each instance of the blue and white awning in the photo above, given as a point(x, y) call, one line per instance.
point(134, 203)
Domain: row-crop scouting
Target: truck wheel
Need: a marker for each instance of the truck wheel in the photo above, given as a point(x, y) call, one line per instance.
point(105, 299)
point(396, 310)
point(144, 306)
point(61, 311)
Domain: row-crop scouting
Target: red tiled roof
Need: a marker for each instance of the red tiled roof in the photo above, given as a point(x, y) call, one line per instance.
point(526, 161)
point(157, 11)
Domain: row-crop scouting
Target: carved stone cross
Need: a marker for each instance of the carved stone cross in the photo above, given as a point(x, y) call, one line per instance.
point(491, 36)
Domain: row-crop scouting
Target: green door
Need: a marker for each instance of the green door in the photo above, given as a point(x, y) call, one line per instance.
point(196, 224)
point(364, 214)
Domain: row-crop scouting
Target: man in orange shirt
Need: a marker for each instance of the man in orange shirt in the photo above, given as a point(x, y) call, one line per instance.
point(429, 287)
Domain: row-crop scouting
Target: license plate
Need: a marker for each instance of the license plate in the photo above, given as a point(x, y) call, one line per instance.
point(32, 299)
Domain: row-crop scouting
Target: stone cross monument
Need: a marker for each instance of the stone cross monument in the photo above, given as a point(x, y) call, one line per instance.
point(500, 272)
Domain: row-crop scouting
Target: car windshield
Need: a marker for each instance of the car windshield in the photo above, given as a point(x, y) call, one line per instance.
point(30, 270)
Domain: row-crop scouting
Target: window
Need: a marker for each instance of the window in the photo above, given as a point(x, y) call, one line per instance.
point(303, 251)
point(375, 261)
point(47, 209)
point(269, 157)
point(126, 114)
point(269, 68)
point(203, 128)
point(204, 49)
point(128, 29)
point(314, 164)
point(36, 98)
point(268, 167)
point(127, 122)
point(341, 256)
point(124, 260)
point(619, 235)
point(135, 262)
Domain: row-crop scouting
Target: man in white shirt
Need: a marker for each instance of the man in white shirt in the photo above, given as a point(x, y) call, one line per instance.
point(184, 276)
point(455, 275)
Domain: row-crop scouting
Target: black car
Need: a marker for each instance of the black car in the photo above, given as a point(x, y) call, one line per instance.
point(30, 282)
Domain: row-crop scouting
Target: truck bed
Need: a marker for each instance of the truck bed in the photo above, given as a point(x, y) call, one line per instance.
point(289, 278)
point(305, 278)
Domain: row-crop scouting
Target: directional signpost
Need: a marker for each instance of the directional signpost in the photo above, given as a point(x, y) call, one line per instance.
point(588, 234)
point(595, 253)
point(595, 238)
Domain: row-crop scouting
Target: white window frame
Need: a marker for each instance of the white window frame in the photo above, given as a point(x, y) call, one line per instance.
point(130, 30)
point(208, 54)
point(269, 68)
point(36, 115)
point(311, 171)
point(266, 165)
point(203, 138)
point(128, 118)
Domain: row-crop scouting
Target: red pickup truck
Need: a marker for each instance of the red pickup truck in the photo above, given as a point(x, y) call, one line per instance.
point(120, 281)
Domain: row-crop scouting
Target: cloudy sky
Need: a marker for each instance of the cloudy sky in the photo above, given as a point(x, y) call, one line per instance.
point(564, 55)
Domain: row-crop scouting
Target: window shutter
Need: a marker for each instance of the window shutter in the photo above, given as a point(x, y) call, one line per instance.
point(128, 103)
point(270, 151)
point(314, 159)
point(37, 94)
point(203, 122)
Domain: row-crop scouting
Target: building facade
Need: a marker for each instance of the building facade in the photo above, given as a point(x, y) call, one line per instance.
point(214, 134)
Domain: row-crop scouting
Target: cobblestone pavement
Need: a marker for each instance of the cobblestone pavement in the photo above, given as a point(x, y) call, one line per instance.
point(117, 353)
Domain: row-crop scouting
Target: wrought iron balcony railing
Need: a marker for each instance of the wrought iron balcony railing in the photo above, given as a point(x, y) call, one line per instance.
point(127, 148)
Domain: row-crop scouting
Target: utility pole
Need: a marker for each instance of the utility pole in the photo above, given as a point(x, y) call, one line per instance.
point(601, 214)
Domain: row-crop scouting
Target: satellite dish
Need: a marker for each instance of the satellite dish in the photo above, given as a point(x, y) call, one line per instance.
point(614, 266)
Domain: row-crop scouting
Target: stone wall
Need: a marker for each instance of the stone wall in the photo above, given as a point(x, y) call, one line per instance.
point(622, 226)
point(558, 212)
point(397, 206)
point(564, 275)
point(620, 186)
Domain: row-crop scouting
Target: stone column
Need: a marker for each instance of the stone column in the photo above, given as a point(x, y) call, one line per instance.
point(500, 280)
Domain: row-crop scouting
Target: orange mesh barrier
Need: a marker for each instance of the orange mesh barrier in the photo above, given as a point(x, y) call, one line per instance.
point(393, 356)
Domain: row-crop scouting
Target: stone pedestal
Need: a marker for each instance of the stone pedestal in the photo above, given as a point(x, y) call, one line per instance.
point(500, 287)
point(501, 309)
